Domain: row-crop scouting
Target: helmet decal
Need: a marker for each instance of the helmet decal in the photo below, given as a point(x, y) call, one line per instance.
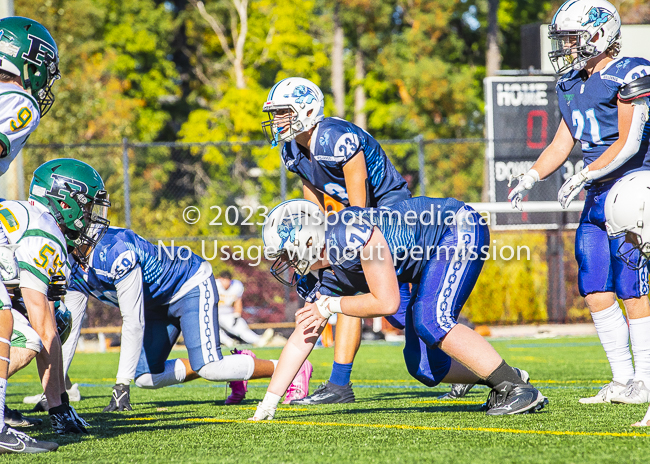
point(59, 183)
point(38, 50)
point(287, 230)
point(303, 95)
point(598, 16)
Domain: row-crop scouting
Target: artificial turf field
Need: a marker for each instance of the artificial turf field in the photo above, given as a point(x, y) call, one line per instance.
point(395, 419)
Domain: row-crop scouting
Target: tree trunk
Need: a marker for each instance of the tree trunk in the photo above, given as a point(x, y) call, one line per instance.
point(493, 56)
point(338, 79)
point(359, 91)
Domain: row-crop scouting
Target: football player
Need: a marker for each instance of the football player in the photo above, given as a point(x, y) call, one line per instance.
point(28, 67)
point(66, 212)
point(598, 95)
point(231, 322)
point(369, 250)
point(627, 213)
point(334, 157)
point(160, 292)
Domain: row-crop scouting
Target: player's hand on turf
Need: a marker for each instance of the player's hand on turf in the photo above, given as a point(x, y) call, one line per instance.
point(262, 413)
point(526, 182)
point(120, 400)
point(572, 187)
point(310, 317)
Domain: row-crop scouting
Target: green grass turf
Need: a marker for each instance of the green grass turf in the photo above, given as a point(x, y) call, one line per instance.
point(191, 424)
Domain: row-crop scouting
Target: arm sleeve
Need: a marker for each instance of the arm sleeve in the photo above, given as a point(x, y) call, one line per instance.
point(131, 301)
point(76, 303)
point(633, 142)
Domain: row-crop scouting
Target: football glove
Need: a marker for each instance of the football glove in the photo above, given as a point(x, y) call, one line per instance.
point(8, 262)
point(57, 288)
point(121, 399)
point(526, 182)
point(64, 420)
point(262, 413)
point(571, 188)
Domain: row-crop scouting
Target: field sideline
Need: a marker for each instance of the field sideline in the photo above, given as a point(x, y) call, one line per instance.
point(395, 419)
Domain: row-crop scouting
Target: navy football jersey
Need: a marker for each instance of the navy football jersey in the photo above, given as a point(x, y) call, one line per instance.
point(122, 250)
point(590, 110)
point(334, 143)
point(417, 222)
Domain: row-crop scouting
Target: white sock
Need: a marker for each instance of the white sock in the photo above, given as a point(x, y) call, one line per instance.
point(640, 339)
point(275, 364)
point(3, 392)
point(614, 336)
point(271, 400)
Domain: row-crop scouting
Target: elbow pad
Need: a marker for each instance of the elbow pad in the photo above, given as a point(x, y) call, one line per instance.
point(638, 88)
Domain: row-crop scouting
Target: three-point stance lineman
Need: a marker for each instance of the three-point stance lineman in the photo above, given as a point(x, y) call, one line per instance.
point(603, 107)
point(334, 157)
point(370, 250)
point(160, 294)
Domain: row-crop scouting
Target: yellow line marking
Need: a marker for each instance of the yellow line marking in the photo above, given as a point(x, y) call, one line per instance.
point(279, 409)
point(440, 429)
point(140, 418)
point(450, 402)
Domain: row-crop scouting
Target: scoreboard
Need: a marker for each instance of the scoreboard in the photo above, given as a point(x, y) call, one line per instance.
point(522, 116)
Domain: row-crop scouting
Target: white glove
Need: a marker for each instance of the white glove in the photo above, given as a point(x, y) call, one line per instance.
point(526, 182)
point(571, 188)
point(262, 413)
point(8, 262)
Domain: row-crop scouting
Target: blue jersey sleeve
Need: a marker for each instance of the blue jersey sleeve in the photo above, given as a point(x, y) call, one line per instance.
point(338, 142)
point(348, 232)
point(120, 258)
point(625, 70)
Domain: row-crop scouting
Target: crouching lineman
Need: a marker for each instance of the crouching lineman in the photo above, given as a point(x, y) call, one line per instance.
point(627, 212)
point(161, 292)
point(368, 250)
point(66, 211)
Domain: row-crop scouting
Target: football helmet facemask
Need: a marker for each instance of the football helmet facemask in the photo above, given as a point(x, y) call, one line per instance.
point(581, 30)
point(294, 105)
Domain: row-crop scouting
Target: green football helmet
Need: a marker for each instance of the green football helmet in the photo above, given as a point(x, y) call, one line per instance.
point(74, 194)
point(27, 50)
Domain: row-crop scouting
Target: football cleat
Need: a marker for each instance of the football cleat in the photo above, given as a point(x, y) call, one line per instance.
point(635, 393)
point(13, 441)
point(328, 393)
point(14, 418)
point(299, 388)
point(238, 387)
point(606, 393)
point(64, 422)
point(516, 399)
point(262, 413)
point(492, 396)
point(458, 390)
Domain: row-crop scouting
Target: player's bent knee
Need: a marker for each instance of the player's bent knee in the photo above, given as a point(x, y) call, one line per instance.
point(235, 367)
point(145, 381)
point(173, 374)
point(427, 328)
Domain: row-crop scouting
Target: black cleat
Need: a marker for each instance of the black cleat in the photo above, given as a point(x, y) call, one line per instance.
point(328, 393)
point(458, 390)
point(15, 419)
point(41, 406)
point(511, 398)
point(492, 396)
point(63, 421)
point(13, 441)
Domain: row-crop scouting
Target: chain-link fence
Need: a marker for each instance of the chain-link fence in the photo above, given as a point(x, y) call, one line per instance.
point(210, 195)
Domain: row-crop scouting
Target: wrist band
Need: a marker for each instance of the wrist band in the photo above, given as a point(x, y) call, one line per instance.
point(328, 305)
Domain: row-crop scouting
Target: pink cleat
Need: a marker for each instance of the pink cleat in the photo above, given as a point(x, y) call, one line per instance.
point(299, 388)
point(239, 387)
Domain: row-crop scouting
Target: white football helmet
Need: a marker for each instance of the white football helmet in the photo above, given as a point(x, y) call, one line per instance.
point(294, 234)
point(627, 212)
point(302, 98)
point(581, 30)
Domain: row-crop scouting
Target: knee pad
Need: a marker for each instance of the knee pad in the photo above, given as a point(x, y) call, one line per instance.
point(426, 328)
point(173, 374)
point(229, 368)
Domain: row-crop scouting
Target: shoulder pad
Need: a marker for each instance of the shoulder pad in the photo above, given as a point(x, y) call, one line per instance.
point(638, 88)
